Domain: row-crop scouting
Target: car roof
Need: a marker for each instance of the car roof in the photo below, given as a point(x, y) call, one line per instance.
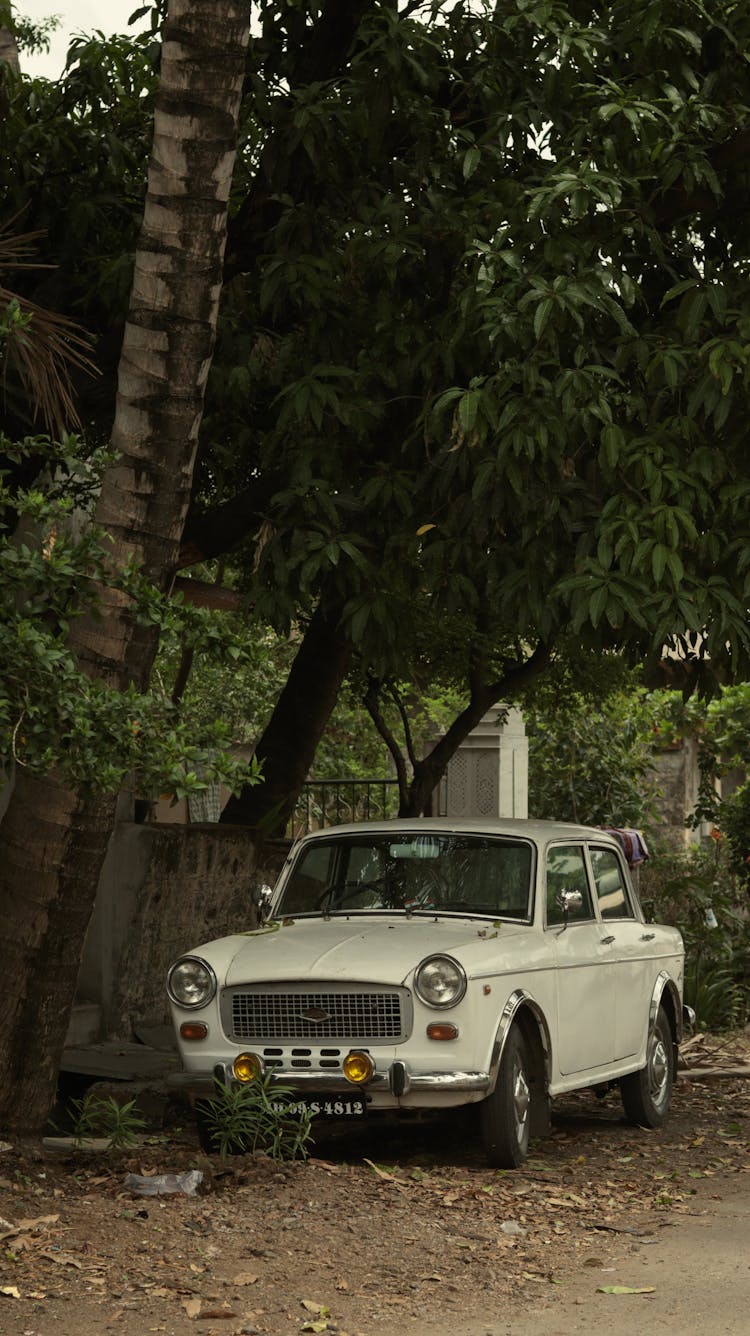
point(541, 832)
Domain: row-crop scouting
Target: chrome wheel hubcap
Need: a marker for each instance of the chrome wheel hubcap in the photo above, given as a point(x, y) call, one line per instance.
point(521, 1101)
point(659, 1070)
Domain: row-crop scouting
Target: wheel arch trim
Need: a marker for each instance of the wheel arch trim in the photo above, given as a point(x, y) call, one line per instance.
point(519, 1003)
point(666, 985)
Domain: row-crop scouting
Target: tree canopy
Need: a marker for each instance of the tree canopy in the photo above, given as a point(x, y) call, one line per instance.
point(481, 373)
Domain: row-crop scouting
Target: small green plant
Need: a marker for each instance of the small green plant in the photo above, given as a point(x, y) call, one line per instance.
point(256, 1117)
point(699, 893)
point(97, 1116)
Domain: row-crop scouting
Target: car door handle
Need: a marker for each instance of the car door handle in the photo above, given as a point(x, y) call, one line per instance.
point(606, 941)
point(647, 936)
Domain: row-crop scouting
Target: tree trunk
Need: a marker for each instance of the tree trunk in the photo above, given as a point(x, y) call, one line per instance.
point(53, 841)
point(8, 45)
point(289, 742)
point(416, 800)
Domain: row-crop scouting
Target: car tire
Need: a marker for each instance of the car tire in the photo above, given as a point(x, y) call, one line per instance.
point(506, 1113)
point(646, 1093)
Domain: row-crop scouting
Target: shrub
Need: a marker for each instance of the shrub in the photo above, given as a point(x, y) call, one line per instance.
point(96, 1116)
point(255, 1117)
point(698, 893)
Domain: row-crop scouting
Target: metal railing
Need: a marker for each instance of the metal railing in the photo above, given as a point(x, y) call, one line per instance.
point(334, 802)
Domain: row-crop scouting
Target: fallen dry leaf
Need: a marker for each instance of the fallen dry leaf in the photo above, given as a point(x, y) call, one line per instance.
point(192, 1307)
point(245, 1278)
point(39, 1223)
point(62, 1259)
point(381, 1173)
point(326, 1164)
point(10, 1291)
point(314, 1306)
point(625, 1289)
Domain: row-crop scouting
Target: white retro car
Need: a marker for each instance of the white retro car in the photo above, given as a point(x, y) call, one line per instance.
point(426, 964)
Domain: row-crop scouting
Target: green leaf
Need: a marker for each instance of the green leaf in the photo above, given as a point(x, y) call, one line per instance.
point(468, 408)
point(659, 557)
point(541, 316)
point(471, 161)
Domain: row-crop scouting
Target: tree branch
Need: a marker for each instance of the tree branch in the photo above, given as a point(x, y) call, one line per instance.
point(372, 706)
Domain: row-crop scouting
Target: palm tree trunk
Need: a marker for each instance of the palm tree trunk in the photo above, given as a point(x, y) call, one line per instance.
point(8, 46)
point(53, 841)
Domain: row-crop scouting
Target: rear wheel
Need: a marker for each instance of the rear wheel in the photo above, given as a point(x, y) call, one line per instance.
point(646, 1093)
point(506, 1113)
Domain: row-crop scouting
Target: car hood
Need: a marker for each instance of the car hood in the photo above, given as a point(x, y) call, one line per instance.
point(386, 948)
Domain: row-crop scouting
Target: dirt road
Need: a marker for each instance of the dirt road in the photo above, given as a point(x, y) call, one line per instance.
point(695, 1273)
point(395, 1233)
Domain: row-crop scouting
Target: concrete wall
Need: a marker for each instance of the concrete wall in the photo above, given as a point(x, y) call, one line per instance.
point(163, 890)
point(678, 778)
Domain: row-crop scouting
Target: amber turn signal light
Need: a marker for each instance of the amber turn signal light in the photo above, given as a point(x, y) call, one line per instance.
point(193, 1030)
point(442, 1030)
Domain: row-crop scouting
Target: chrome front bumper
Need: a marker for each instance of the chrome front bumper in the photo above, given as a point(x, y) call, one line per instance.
point(398, 1080)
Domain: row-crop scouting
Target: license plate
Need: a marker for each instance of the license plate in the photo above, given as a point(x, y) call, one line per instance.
point(327, 1106)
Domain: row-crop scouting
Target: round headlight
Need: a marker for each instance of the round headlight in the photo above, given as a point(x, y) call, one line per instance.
point(191, 982)
point(440, 981)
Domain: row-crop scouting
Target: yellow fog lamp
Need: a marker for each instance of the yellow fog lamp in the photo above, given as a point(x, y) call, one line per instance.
point(247, 1067)
point(358, 1067)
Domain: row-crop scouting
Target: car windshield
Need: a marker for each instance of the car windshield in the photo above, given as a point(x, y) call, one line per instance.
point(449, 872)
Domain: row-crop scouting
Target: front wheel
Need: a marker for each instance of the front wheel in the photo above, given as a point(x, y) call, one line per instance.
point(646, 1094)
point(506, 1113)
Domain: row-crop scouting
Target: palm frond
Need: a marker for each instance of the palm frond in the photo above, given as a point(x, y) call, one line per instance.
point(42, 347)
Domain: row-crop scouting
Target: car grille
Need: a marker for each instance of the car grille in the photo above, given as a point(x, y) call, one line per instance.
point(358, 1015)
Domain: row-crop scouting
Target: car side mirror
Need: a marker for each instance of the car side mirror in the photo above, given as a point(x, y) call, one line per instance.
point(569, 902)
point(261, 898)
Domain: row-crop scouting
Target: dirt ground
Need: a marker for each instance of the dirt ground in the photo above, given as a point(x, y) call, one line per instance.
point(386, 1231)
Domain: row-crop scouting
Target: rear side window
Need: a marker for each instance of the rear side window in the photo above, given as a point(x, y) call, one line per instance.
point(612, 892)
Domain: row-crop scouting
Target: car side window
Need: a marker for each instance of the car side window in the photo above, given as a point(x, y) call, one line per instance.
point(566, 871)
point(611, 890)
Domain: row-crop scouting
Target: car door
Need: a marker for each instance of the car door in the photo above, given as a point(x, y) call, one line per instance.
point(627, 938)
point(585, 1011)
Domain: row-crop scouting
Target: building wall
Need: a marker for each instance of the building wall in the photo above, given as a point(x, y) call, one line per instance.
point(677, 778)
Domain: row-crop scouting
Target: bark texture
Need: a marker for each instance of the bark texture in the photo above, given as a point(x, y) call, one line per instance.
point(52, 840)
point(8, 48)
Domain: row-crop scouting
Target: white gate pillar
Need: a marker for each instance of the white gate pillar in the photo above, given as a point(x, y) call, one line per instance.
point(489, 774)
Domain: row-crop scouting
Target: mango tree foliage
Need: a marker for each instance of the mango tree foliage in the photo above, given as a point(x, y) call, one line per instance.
point(481, 370)
point(483, 362)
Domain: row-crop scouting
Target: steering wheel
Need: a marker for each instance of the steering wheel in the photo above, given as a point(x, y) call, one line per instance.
point(433, 894)
point(349, 891)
